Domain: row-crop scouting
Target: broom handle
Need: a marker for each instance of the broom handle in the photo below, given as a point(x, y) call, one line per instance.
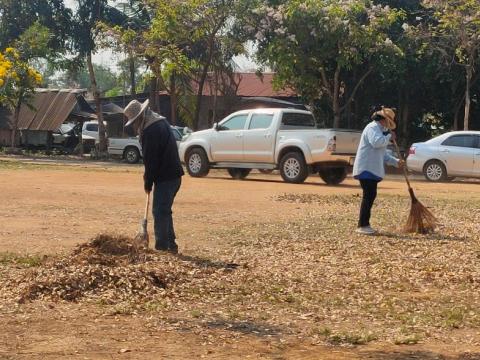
point(405, 173)
point(147, 203)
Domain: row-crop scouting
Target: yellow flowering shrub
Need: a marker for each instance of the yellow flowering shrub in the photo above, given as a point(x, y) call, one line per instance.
point(16, 76)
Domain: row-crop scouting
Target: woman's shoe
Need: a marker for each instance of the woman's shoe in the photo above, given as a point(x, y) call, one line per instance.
point(365, 230)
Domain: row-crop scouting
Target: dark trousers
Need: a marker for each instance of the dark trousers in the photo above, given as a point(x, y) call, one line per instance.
point(163, 196)
point(369, 188)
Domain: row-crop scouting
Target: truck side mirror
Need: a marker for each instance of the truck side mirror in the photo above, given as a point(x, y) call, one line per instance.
point(215, 126)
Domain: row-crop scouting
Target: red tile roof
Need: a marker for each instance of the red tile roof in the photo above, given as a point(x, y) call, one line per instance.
point(250, 84)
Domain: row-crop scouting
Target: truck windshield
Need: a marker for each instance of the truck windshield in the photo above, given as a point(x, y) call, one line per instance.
point(297, 121)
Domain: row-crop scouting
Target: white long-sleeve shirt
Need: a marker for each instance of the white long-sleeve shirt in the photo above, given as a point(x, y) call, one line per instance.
point(372, 151)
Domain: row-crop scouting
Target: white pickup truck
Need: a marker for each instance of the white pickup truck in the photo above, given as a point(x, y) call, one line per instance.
point(284, 139)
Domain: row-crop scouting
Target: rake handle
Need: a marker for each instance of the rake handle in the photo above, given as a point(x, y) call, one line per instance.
point(147, 204)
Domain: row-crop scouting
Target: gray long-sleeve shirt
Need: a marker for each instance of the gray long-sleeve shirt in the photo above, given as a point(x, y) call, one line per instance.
point(372, 151)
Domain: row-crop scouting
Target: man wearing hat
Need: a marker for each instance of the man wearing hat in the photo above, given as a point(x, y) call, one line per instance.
point(369, 162)
point(162, 168)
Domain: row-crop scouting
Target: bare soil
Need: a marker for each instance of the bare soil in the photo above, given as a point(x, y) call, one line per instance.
point(49, 208)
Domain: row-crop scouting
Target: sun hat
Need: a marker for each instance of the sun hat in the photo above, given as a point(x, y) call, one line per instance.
point(389, 116)
point(133, 110)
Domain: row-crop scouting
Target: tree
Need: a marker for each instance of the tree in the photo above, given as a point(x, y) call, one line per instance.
point(89, 14)
point(457, 38)
point(17, 16)
point(187, 41)
point(128, 38)
point(312, 46)
point(17, 84)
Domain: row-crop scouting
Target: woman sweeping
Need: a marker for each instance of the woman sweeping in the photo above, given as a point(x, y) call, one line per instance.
point(369, 162)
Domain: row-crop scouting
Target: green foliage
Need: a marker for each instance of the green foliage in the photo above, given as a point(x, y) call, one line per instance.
point(312, 45)
point(16, 17)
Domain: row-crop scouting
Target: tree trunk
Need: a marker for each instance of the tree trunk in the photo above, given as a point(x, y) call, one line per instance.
point(404, 121)
point(98, 106)
point(173, 99)
point(158, 80)
point(131, 65)
point(215, 89)
point(198, 104)
point(201, 83)
point(469, 71)
point(16, 115)
point(153, 90)
point(336, 99)
point(456, 116)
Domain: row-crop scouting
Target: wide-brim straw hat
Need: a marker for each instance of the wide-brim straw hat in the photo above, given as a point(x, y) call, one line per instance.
point(133, 110)
point(389, 116)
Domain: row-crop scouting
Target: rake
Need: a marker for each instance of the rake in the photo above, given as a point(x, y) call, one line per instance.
point(142, 237)
point(420, 220)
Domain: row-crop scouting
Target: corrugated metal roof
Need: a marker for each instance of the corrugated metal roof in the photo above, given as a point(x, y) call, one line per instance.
point(50, 109)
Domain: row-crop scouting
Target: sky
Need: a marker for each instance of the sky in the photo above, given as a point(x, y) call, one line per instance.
point(110, 59)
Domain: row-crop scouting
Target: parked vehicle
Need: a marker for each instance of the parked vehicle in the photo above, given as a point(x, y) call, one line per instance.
point(62, 134)
point(90, 135)
point(90, 129)
point(130, 148)
point(284, 139)
point(453, 154)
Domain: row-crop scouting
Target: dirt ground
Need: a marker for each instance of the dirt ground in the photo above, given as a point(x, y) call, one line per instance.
point(48, 208)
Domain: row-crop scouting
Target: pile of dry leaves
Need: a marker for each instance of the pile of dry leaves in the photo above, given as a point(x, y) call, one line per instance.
point(109, 269)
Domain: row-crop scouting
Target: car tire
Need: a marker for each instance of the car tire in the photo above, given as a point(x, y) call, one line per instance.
point(131, 155)
point(197, 163)
point(435, 171)
point(238, 173)
point(333, 176)
point(293, 168)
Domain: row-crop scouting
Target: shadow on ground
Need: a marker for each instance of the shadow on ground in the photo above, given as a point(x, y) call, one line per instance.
point(416, 355)
point(245, 327)
point(207, 263)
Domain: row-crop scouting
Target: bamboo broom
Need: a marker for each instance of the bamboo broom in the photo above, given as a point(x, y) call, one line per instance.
point(420, 220)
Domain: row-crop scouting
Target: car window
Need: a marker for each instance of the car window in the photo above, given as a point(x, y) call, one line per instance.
point(176, 134)
point(478, 141)
point(467, 141)
point(92, 127)
point(235, 123)
point(297, 121)
point(260, 121)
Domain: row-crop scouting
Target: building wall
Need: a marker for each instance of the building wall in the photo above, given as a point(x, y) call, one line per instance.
point(5, 136)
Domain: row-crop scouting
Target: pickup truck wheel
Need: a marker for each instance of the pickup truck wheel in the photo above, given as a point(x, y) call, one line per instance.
point(197, 163)
point(293, 168)
point(131, 155)
point(333, 176)
point(238, 174)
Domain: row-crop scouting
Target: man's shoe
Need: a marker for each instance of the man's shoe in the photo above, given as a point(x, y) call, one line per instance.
point(173, 249)
point(365, 230)
point(161, 248)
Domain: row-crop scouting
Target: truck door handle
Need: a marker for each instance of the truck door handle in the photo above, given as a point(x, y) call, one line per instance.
point(239, 135)
point(445, 151)
point(267, 135)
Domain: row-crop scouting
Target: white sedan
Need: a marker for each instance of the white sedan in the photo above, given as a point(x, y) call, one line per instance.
point(453, 154)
